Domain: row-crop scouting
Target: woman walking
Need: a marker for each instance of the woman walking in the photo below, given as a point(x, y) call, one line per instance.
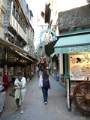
point(45, 85)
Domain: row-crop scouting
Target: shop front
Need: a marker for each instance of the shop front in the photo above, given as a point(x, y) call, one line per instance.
point(79, 66)
point(75, 52)
point(14, 59)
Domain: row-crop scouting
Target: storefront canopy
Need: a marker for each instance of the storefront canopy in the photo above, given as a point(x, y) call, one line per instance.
point(16, 49)
point(74, 43)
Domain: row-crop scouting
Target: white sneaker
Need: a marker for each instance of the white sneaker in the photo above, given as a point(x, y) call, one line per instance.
point(45, 103)
point(21, 112)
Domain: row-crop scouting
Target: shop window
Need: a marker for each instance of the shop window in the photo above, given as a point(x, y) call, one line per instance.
point(13, 10)
point(1, 17)
point(17, 15)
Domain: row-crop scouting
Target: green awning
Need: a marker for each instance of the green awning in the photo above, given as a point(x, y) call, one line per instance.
point(75, 43)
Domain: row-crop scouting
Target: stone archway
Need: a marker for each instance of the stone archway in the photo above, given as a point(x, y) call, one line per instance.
point(42, 42)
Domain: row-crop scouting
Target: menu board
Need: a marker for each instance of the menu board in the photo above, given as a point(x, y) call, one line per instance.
point(79, 66)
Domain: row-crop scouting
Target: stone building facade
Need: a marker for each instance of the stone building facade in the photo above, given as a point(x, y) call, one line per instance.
point(2, 12)
point(17, 33)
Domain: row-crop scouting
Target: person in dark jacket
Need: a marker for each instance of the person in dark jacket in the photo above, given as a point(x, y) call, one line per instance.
point(46, 85)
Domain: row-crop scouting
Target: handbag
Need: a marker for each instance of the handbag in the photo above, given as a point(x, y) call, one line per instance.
point(40, 81)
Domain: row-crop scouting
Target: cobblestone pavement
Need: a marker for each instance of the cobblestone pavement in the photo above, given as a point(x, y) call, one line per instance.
point(34, 109)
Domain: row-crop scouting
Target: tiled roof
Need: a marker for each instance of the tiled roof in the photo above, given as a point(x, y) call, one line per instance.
point(74, 19)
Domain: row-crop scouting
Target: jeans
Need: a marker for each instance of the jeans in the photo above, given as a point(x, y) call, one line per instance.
point(45, 94)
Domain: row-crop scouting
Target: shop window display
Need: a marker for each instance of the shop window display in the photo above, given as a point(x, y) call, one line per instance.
point(79, 66)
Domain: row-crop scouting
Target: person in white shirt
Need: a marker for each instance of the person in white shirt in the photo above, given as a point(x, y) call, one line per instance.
point(20, 90)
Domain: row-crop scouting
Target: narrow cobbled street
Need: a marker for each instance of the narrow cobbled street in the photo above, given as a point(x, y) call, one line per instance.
point(34, 109)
